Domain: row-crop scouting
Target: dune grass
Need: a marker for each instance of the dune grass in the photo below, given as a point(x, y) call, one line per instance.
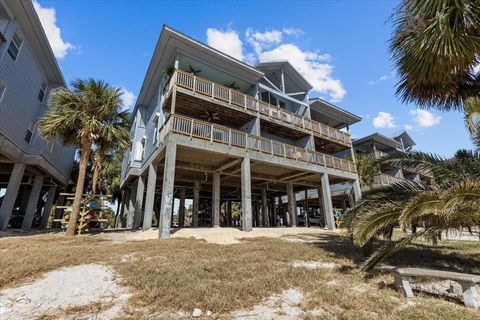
point(183, 274)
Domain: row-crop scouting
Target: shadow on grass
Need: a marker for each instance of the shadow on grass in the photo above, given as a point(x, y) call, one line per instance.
point(449, 256)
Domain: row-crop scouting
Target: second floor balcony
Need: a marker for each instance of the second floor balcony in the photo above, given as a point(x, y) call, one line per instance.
point(246, 103)
point(215, 133)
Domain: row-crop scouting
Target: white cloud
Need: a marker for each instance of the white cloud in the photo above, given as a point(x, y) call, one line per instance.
point(262, 40)
point(48, 19)
point(425, 118)
point(268, 46)
point(408, 127)
point(384, 120)
point(226, 41)
point(312, 65)
point(382, 78)
point(128, 98)
point(293, 31)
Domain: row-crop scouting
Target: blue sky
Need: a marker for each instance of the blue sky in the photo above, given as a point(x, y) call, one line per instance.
point(345, 43)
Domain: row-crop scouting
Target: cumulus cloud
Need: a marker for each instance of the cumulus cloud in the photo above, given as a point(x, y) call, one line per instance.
point(424, 118)
point(226, 41)
point(48, 19)
point(384, 120)
point(262, 40)
point(312, 65)
point(408, 127)
point(270, 45)
point(128, 98)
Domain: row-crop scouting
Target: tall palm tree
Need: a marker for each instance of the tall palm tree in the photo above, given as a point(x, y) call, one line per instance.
point(105, 147)
point(436, 46)
point(472, 118)
point(451, 200)
point(80, 117)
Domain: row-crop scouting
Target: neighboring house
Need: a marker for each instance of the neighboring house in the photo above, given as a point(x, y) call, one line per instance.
point(377, 145)
point(215, 130)
point(30, 167)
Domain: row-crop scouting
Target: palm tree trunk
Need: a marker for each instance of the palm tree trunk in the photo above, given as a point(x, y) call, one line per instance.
point(96, 171)
point(82, 171)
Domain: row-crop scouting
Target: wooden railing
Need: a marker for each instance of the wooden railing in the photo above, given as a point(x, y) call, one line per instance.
point(386, 179)
point(376, 154)
point(241, 100)
point(220, 134)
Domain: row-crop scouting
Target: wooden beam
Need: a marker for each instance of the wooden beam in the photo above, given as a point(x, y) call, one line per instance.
point(228, 164)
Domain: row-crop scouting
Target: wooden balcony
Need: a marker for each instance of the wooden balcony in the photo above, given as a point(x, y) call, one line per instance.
point(239, 100)
point(376, 154)
point(233, 138)
point(385, 179)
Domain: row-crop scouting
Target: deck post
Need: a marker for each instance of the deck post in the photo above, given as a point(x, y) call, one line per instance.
point(181, 208)
point(357, 193)
point(266, 220)
point(52, 191)
point(11, 195)
point(305, 209)
point(292, 205)
point(138, 208)
point(196, 203)
point(167, 190)
point(274, 212)
point(246, 195)
point(327, 203)
point(32, 203)
point(216, 199)
point(131, 205)
point(150, 196)
point(229, 213)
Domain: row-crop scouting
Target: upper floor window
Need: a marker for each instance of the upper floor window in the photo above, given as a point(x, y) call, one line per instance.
point(2, 89)
point(41, 93)
point(15, 45)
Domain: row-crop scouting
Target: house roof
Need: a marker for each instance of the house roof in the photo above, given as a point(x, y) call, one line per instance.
point(170, 43)
point(288, 69)
point(337, 116)
point(380, 138)
point(403, 136)
point(24, 13)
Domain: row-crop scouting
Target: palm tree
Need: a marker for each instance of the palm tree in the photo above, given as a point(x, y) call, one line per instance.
point(104, 147)
point(80, 117)
point(435, 47)
point(367, 169)
point(451, 200)
point(472, 118)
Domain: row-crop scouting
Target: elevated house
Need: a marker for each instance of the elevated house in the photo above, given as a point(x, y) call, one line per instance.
point(213, 129)
point(31, 168)
point(377, 145)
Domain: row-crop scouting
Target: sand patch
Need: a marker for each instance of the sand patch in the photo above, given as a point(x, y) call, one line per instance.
point(312, 265)
point(279, 306)
point(63, 289)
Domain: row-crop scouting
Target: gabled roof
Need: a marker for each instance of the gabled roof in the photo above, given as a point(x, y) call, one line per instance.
point(170, 43)
point(288, 69)
point(404, 137)
point(378, 137)
point(24, 13)
point(338, 117)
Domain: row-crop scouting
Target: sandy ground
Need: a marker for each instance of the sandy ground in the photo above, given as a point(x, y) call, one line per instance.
point(224, 236)
point(63, 289)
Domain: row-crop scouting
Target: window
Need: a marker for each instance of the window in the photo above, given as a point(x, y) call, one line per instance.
point(2, 89)
point(156, 119)
point(41, 93)
point(29, 134)
point(15, 45)
point(139, 150)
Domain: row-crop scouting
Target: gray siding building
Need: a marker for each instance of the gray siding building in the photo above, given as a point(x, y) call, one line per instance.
point(215, 130)
point(31, 169)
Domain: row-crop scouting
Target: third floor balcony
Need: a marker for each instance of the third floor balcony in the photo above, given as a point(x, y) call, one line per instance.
point(195, 85)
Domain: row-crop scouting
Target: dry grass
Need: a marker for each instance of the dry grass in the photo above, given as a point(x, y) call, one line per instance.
point(181, 274)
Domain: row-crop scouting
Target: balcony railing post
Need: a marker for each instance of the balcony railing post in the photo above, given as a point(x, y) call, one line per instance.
point(213, 90)
point(191, 129)
point(271, 147)
point(194, 83)
point(246, 140)
point(229, 96)
point(211, 133)
point(284, 151)
point(229, 137)
point(245, 101)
